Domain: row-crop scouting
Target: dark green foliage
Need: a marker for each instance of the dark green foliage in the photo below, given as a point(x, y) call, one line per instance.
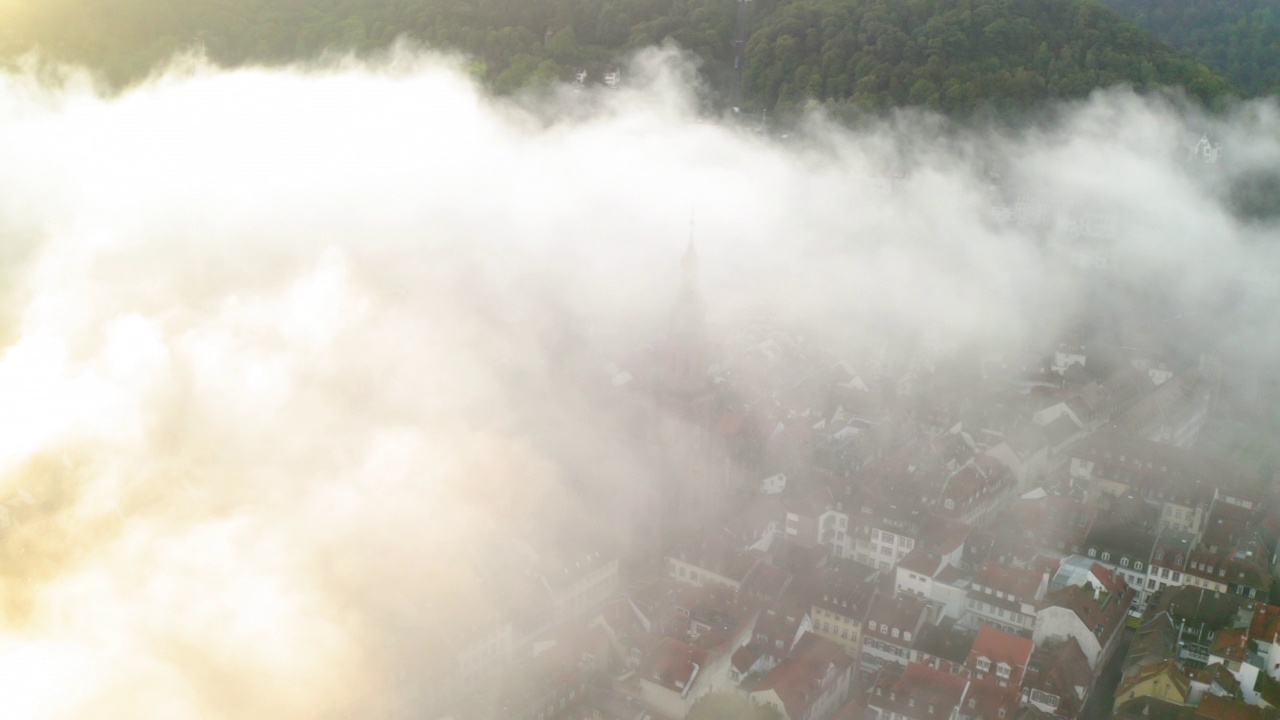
point(1238, 38)
point(857, 56)
point(957, 55)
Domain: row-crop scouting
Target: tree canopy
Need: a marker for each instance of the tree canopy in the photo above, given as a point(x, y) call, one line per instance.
point(1239, 38)
point(951, 55)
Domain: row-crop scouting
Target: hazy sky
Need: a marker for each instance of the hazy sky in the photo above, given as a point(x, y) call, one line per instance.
point(275, 338)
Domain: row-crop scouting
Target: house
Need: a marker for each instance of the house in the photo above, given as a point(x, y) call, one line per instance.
point(716, 558)
point(840, 605)
point(1092, 615)
point(1004, 597)
point(943, 647)
point(810, 684)
point(1219, 708)
point(892, 627)
point(1058, 679)
point(669, 677)
point(916, 692)
point(1165, 681)
point(999, 657)
point(985, 700)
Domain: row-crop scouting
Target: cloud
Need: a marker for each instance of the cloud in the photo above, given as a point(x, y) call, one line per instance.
point(285, 355)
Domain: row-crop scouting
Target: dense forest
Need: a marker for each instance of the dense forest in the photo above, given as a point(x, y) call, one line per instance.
point(956, 55)
point(1239, 38)
point(855, 55)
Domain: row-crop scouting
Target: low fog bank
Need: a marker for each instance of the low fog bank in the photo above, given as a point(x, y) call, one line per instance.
point(292, 355)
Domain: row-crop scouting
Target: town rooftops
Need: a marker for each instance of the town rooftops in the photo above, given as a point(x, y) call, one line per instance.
point(808, 673)
point(918, 692)
point(1018, 583)
point(1212, 707)
point(999, 648)
point(895, 619)
point(672, 664)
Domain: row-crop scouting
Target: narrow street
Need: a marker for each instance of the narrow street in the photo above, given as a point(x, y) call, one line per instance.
point(1103, 696)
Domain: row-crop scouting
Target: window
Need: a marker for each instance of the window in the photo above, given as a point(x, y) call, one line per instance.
point(1124, 562)
point(875, 534)
point(984, 664)
point(1106, 557)
point(906, 636)
point(1093, 552)
point(1003, 670)
point(949, 504)
point(895, 632)
point(1137, 566)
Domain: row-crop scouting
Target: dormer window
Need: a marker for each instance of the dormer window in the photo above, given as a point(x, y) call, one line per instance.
point(984, 664)
point(906, 636)
point(1106, 557)
point(1003, 670)
point(1137, 566)
point(1124, 562)
point(1093, 552)
point(895, 632)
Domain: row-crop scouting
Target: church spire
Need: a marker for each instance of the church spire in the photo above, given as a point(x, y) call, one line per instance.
point(689, 269)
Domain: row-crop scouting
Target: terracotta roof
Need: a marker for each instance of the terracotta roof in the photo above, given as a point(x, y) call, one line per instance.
point(671, 664)
point(998, 646)
point(803, 677)
point(744, 657)
point(1018, 582)
point(921, 561)
point(1169, 668)
point(1058, 668)
point(1213, 707)
point(1231, 643)
point(1266, 623)
point(917, 691)
point(902, 613)
point(985, 699)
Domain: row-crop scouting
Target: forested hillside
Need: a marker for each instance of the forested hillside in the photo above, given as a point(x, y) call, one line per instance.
point(956, 55)
point(1239, 38)
point(868, 55)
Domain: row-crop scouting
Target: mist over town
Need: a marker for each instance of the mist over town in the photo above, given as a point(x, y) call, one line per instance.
point(349, 388)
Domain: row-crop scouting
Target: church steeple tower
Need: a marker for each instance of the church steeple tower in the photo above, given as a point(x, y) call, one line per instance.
point(685, 371)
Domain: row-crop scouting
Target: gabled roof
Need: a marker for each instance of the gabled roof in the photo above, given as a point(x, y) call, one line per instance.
point(1059, 668)
point(1212, 707)
point(998, 646)
point(671, 664)
point(917, 691)
point(1169, 669)
point(1021, 583)
point(811, 671)
point(985, 699)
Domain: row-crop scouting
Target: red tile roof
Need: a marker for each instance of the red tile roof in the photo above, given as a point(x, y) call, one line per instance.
point(918, 691)
point(671, 664)
point(812, 670)
point(998, 646)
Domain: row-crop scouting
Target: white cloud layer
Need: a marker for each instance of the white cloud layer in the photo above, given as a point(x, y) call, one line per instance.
point(273, 338)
